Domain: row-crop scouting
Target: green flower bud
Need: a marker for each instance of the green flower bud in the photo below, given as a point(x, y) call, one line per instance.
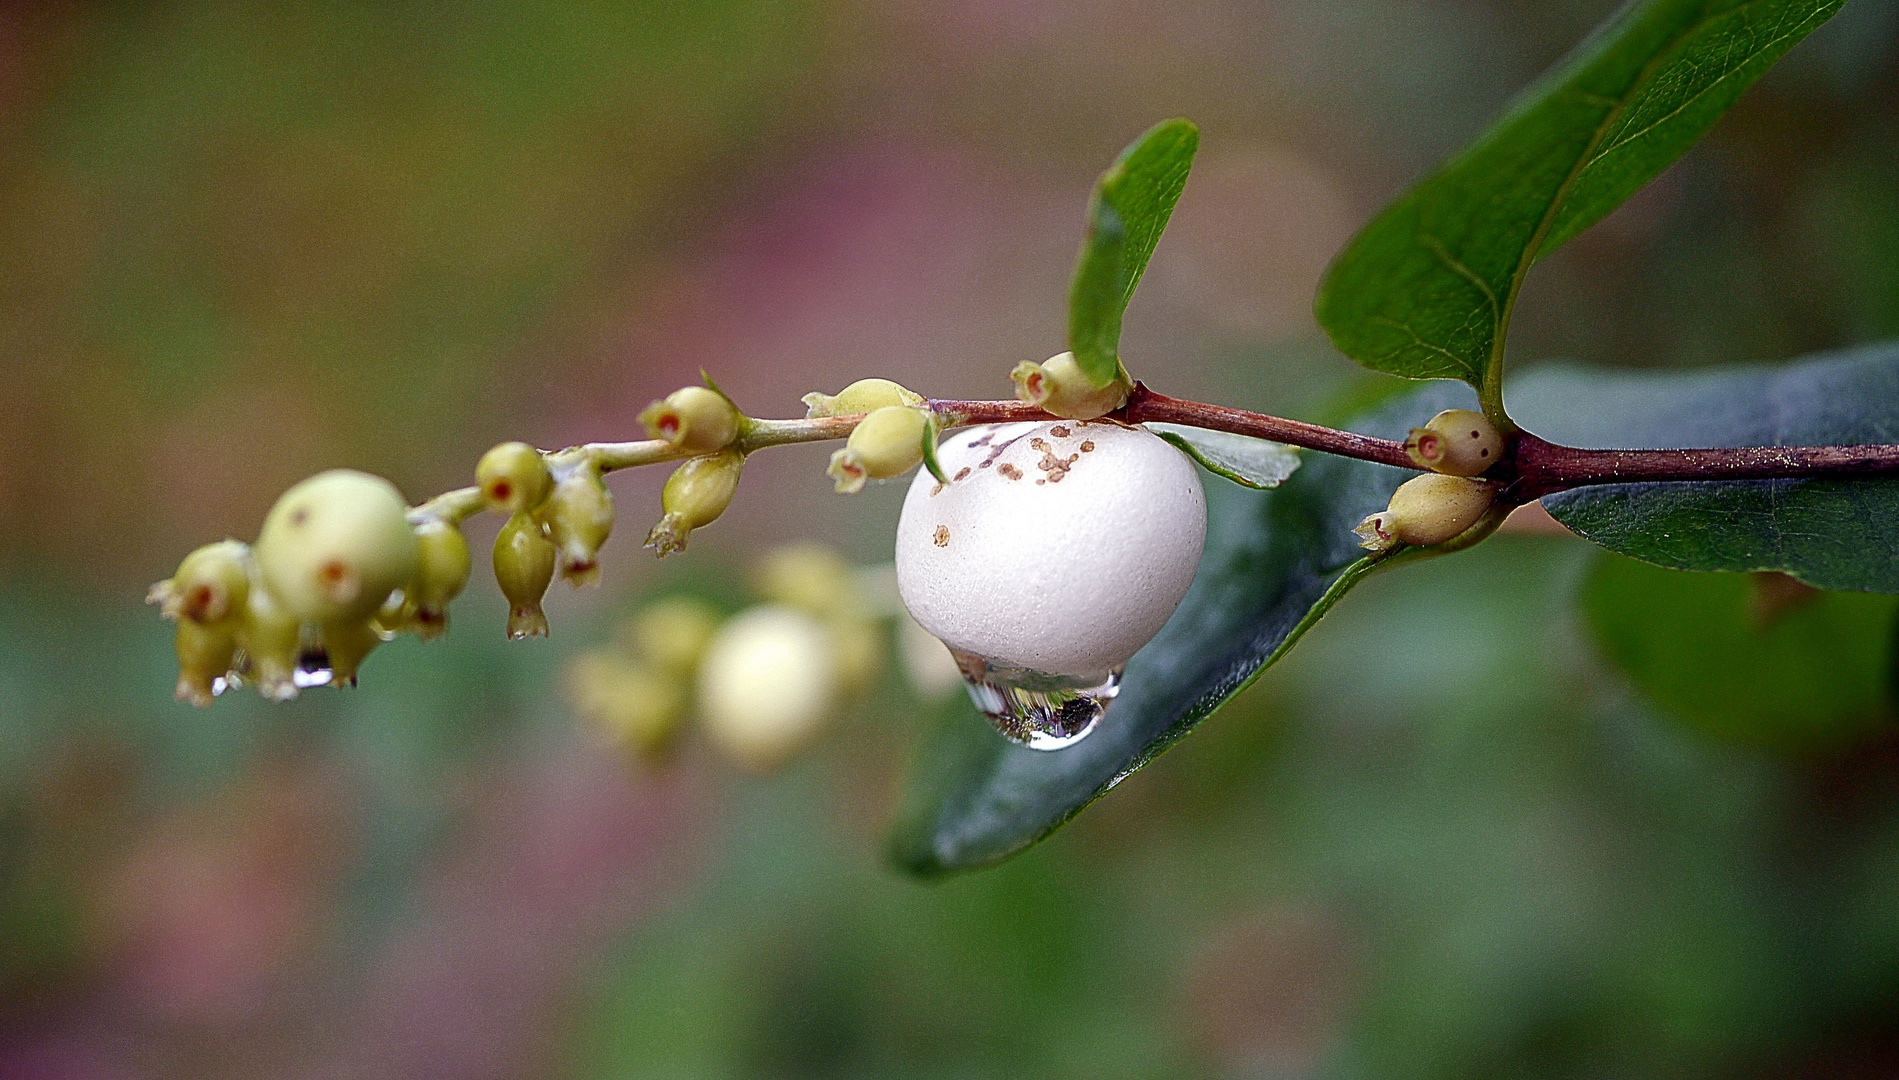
point(1426, 510)
point(210, 587)
point(1058, 386)
point(887, 443)
point(205, 654)
point(513, 478)
point(1456, 441)
point(441, 570)
point(673, 632)
point(579, 517)
point(270, 635)
point(694, 497)
point(862, 396)
point(696, 419)
point(345, 643)
point(336, 545)
point(524, 566)
point(634, 704)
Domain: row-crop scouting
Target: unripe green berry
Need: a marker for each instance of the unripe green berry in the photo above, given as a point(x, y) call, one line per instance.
point(270, 634)
point(862, 396)
point(1456, 441)
point(1427, 510)
point(345, 643)
point(1058, 386)
point(696, 419)
point(442, 565)
point(205, 652)
point(579, 517)
point(887, 443)
point(524, 566)
point(513, 478)
point(694, 497)
point(336, 545)
point(210, 587)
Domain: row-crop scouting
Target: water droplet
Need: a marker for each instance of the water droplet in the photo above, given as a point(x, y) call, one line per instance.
point(313, 668)
point(1033, 709)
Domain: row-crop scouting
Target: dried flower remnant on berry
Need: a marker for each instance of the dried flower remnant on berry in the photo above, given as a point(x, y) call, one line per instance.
point(862, 396)
point(1059, 386)
point(524, 567)
point(694, 497)
point(513, 478)
point(885, 444)
point(1427, 510)
point(1456, 441)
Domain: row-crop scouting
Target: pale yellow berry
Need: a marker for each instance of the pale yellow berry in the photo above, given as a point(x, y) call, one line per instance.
point(513, 478)
point(862, 396)
point(1427, 510)
point(1058, 386)
point(673, 632)
point(205, 652)
point(694, 497)
point(1456, 441)
point(696, 419)
point(211, 585)
point(579, 517)
point(336, 545)
point(858, 648)
point(887, 443)
point(524, 567)
point(767, 684)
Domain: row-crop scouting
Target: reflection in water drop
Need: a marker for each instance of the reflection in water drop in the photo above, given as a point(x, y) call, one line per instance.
point(1041, 712)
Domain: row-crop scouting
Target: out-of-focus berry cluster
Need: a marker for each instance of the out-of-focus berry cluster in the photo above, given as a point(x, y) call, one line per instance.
point(762, 682)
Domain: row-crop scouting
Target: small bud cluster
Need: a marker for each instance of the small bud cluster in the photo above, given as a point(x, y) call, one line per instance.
point(337, 569)
point(555, 522)
point(762, 683)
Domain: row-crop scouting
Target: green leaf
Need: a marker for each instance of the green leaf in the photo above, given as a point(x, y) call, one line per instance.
point(1425, 290)
point(1834, 534)
point(1757, 658)
point(1256, 463)
point(1275, 562)
point(1131, 204)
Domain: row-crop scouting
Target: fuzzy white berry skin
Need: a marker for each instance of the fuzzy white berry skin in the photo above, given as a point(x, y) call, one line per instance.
point(1057, 547)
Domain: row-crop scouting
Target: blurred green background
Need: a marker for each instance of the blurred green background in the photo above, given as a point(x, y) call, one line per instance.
point(244, 243)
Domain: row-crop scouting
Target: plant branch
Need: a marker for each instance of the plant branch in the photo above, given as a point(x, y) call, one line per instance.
point(1543, 467)
point(1536, 467)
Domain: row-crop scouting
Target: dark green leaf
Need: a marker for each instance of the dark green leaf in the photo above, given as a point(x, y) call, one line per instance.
point(1835, 534)
point(1131, 204)
point(1275, 561)
point(1256, 463)
point(1426, 289)
point(1755, 657)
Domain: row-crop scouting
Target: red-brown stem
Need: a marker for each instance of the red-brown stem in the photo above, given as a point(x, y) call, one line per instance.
point(1545, 467)
point(1146, 406)
point(1537, 467)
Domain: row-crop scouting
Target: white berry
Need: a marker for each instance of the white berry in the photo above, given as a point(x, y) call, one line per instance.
point(1057, 547)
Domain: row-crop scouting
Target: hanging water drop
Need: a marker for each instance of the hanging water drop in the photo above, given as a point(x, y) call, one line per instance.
point(1036, 710)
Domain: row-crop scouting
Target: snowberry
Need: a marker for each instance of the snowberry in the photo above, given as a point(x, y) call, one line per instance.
point(1060, 548)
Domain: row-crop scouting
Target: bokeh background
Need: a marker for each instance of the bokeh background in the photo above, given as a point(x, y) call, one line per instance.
point(241, 243)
